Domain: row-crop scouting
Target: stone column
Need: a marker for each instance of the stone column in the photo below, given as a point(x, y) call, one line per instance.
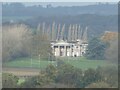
point(58, 50)
point(70, 50)
point(80, 50)
point(67, 51)
point(64, 50)
point(53, 49)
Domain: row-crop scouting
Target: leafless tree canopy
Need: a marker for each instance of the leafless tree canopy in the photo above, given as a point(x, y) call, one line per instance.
point(16, 39)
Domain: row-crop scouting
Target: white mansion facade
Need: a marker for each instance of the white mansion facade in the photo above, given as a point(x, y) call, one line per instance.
point(65, 48)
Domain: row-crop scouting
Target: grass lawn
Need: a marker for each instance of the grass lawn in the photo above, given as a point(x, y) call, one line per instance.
point(26, 63)
point(83, 63)
point(79, 62)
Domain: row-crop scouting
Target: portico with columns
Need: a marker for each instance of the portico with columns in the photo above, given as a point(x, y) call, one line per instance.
point(63, 48)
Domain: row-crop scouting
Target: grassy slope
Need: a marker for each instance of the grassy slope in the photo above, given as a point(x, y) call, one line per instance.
point(26, 63)
point(79, 62)
point(84, 64)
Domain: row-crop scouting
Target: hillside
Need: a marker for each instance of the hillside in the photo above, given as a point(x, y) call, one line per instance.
point(18, 9)
point(98, 18)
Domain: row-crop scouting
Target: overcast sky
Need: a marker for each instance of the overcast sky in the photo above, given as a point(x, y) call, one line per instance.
point(59, 0)
point(60, 3)
point(54, 4)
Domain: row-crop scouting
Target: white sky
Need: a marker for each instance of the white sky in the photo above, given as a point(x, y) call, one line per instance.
point(59, 0)
point(43, 3)
point(60, 3)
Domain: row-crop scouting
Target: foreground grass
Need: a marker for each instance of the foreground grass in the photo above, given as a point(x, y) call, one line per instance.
point(78, 62)
point(20, 81)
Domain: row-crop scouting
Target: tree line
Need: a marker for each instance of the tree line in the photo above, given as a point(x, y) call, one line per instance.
point(20, 40)
point(19, 9)
point(67, 76)
point(103, 48)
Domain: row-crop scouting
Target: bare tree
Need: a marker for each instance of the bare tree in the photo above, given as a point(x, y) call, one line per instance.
point(58, 35)
point(53, 31)
point(79, 32)
point(41, 43)
point(16, 39)
point(73, 32)
point(84, 37)
point(76, 31)
point(69, 33)
point(43, 29)
point(62, 32)
point(48, 33)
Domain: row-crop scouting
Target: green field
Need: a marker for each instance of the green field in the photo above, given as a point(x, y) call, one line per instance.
point(26, 63)
point(79, 62)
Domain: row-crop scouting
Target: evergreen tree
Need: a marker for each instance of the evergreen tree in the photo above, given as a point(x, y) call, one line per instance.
point(96, 49)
